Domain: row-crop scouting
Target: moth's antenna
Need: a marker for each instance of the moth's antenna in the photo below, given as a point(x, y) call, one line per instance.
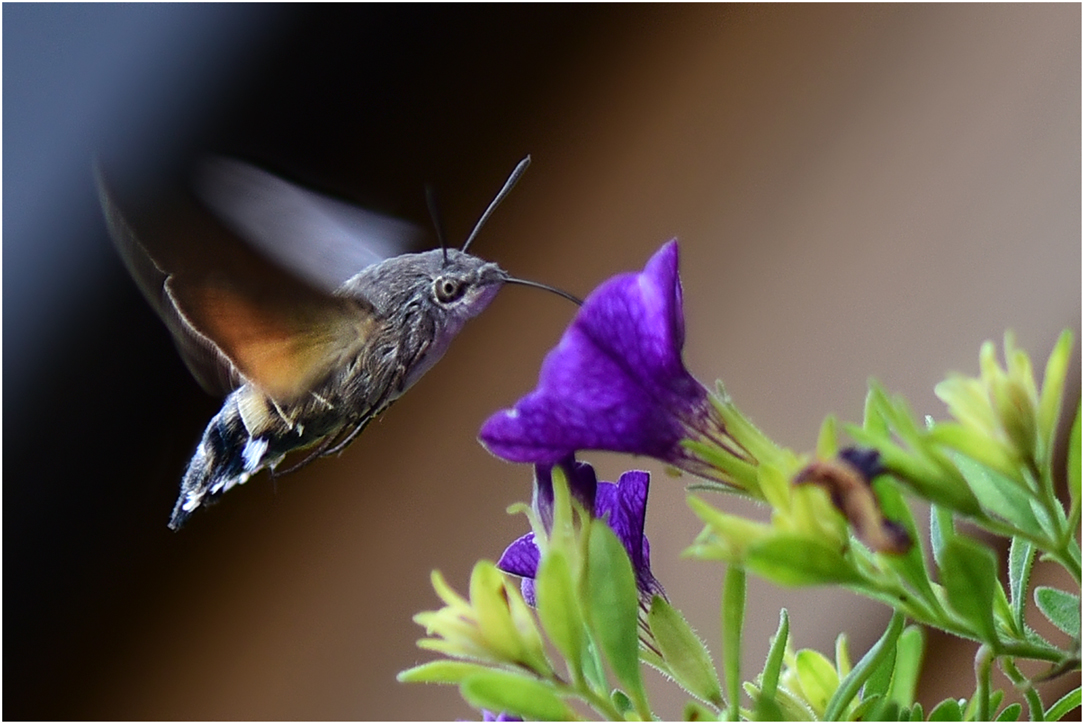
point(437, 222)
point(537, 285)
point(508, 185)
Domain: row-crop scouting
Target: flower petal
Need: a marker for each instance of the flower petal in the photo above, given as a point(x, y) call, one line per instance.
point(521, 558)
point(616, 380)
point(529, 591)
point(582, 482)
point(626, 505)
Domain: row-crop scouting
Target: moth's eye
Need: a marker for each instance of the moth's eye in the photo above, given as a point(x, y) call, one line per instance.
point(448, 289)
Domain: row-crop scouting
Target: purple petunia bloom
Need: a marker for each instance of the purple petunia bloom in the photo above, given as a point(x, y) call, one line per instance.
point(488, 715)
point(616, 381)
point(623, 504)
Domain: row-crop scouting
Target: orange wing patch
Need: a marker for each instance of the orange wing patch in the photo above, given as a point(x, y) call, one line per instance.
point(284, 343)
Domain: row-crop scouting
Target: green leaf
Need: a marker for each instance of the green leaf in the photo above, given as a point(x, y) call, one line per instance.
point(887, 709)
point(897, 413)
point(440, 671)
point(1020, 563)
point(1074, 463)
point(791, 559)
point(488, 598)
point(693, 711)
point(947, 710)
point(924, 471)
point(910, 566)
point(827, 444)
point(996, 699)
point(767, 707)
point(874, 421)
point(941, 529)
point(614, 608)
point(736, 532)
point(879, 680)
point(564, 534)
point(733, 620)
point(1062, 608)
point(842, 655)
point(791, 705)
point(1049, 403)
point(1065, 705)
point(975, 443)
point(502, 691)
point(593, 667)
point(868, 703)
point(685, 654)
point(818, 678)
point(621, 700)
point(910, 651)
point(1010, 712)
point(1052, 525)
point(969, 577)
point(870, 663)
point(558, 607)
point(1000, 495)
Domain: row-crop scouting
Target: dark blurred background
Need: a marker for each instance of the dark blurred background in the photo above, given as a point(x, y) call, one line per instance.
point(859, 191)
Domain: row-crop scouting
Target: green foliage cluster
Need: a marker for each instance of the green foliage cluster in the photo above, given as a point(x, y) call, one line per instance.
point(989, 468)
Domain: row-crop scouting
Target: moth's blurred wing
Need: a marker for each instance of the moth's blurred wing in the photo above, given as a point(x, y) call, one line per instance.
point(323, 240)
point(285, 343)
point(234, 315)
point(208, 365)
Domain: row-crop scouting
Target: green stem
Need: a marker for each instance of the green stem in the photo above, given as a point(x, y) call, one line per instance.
point(983, 669)
point(1067, 556)
point(913, 607)
point(1030, 651)
point(1034, 701)
point(1049, 497)
point(1071, 528)
point(1057, 551)
point(879, 587)
point(733, 614)
point(595, 700)
point(884, 591)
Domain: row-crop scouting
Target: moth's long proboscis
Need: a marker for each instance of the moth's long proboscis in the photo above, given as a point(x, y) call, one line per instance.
point(546, 287)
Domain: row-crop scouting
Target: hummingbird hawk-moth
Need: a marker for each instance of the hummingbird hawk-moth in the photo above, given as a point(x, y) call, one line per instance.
point(311, 329)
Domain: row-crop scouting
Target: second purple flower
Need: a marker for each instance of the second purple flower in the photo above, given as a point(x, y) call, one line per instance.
point(623, 504)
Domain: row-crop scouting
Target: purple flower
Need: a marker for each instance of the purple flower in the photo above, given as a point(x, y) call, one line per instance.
point(622, 504)
point(616, 381)
point(488, 715)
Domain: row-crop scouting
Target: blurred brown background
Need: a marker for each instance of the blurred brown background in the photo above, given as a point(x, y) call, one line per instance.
point(858, 190)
